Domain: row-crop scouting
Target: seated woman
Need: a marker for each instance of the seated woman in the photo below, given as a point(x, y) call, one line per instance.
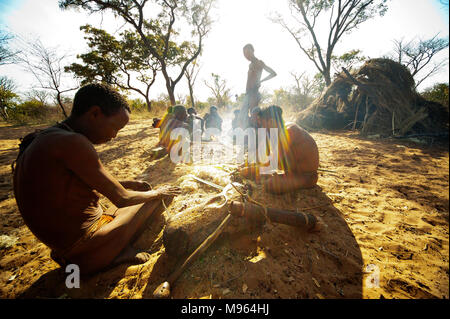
point(177, 119)
point(298, 155)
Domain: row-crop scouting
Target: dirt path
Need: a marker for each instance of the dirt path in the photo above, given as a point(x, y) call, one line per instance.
point(386, 208)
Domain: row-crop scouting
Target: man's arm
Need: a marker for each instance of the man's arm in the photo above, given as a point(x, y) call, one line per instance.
point(281, 183)
point(136, 185)
point(271, 72)
point(80, 156)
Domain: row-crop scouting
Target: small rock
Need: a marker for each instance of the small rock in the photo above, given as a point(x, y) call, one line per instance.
point(226, 291)
point(244, 288)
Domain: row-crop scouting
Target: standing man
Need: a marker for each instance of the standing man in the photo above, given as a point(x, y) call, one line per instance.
point(252, 96)
point(58, 176)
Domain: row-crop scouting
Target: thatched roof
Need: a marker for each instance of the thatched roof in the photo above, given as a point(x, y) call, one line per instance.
point(379, 98)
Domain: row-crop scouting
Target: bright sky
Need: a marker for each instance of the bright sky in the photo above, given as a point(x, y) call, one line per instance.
point(237, 22)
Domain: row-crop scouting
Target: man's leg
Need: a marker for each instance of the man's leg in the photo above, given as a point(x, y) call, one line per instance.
point(243, 114)
point(113, 238)
point(285, 183)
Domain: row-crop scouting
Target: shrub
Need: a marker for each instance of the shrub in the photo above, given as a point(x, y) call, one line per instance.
point(437, 93)
point(34, 112)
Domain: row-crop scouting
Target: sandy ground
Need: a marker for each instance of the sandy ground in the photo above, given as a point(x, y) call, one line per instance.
point(386, 207)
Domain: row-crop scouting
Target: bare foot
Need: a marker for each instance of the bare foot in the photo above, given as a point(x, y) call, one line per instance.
point(131, 256)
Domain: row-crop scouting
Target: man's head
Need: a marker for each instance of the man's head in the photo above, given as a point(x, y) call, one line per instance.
point(100, 112)
point(191, 111)
point(270, 117)
point(179, 112)
point(249, 52)
point(213, 110)
point(254, 116)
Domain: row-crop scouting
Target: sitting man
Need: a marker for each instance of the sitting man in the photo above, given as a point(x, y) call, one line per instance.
point(235, 120)
point(57, 178)
point(213, 119)
point(194, 119)
point(298, 155)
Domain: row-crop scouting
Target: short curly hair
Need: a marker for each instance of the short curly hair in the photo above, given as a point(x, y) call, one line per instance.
point(109, 100)
point(272, 112)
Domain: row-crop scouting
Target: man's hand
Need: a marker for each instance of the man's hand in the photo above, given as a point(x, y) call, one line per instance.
point(167, 191)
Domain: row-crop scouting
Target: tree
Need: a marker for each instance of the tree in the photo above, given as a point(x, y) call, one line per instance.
point(46, 65)
point(191, 74)
point(114, 61)
point(305, 89)
point(6, 55)
point(343, 16)
point(39, 95)
point(419, 56)
point(218, 87)
point(160, 34)
point(7, 96)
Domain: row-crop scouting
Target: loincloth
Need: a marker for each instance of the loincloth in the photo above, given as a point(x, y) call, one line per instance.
point(60, 256)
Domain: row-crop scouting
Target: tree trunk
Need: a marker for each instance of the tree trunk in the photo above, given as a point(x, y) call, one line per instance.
point(4, 113)
point(149, 104)
point(191, 94)
point(171, 96)
point(58, 99)
point(327, 77)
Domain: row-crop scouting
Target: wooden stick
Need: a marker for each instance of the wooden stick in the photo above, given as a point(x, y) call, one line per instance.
point(163, 290)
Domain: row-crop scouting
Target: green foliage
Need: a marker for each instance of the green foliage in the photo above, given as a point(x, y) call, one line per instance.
point(290, 99)
point(137, 105)
point(7, 96)
point(348, 60)
point(159, 35)
point(438, 93)
point(112, 59)
point(201, 106)
point(32, 111)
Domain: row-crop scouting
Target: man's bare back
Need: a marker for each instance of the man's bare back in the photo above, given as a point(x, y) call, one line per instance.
point(298, 155)
point(63, 203)
point(302, 154)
